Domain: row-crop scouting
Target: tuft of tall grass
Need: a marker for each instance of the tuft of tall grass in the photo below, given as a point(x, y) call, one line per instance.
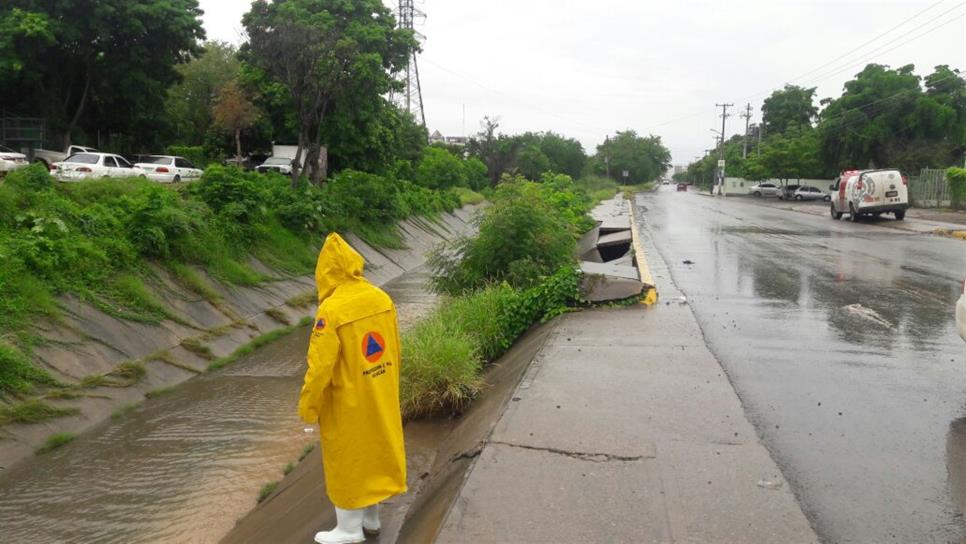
point(267, 490)
point(441, 367)
point(468, 196)
point(33, 411)
point(194, 281)
point(55, 441)
point(17, 374)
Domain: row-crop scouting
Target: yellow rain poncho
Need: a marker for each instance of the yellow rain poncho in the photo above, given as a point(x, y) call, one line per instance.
point(352, 383)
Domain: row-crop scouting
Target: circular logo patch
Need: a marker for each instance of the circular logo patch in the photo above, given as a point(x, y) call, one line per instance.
point(373, 346)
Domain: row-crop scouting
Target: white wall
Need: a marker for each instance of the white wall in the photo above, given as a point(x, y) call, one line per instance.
point(741, 186)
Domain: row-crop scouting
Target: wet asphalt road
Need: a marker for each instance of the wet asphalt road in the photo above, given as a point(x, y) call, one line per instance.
point(840, 340)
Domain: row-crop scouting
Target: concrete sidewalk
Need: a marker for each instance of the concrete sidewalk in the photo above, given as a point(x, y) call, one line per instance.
point(626, 429)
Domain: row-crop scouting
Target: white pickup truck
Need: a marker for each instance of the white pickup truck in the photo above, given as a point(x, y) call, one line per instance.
point(48, 157)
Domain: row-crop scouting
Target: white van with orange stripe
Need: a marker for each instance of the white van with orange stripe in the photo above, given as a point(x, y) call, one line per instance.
point(870, 192)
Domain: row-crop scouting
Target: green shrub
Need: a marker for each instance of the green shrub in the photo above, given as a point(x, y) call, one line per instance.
point(529, 231)
point(33, 178)
point(234, 193)
point(194, 153)
point(956, 177)
point(440, 169)
point(474, 170)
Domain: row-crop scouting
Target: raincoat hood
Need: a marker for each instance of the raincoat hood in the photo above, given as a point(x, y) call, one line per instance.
point(338, 264)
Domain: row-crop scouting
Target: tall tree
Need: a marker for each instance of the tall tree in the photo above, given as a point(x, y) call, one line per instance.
point(233, 113)
point(324, 51)
point(189, 103)
point(497, 151)
point(99, 65)
point(643, 158)
point(792, 106)
point(885, 119)
point(566, 155)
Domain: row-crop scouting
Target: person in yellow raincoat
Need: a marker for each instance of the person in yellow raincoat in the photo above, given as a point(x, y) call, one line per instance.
point(351, 390)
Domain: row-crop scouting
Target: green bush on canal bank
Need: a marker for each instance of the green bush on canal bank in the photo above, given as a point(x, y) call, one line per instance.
point(518, 270)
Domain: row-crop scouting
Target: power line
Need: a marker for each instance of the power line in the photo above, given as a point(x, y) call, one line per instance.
point(863, 44)
point(878, 50)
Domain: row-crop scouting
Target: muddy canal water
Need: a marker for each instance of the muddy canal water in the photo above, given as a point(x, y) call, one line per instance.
point(182, 467)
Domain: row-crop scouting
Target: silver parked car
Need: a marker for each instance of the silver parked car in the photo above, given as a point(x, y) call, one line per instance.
point(811, 193)
point(764, 189)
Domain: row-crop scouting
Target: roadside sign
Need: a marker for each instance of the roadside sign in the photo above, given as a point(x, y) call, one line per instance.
point(625, 173)
point(721, 163)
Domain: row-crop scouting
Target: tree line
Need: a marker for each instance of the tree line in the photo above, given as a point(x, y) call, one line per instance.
point(138, 77)
point(884, 118)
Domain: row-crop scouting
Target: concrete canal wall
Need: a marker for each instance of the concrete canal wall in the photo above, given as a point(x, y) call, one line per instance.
point(87, 342)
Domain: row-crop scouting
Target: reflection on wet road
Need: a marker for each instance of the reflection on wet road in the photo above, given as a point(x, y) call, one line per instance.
point(840, 339)
point(180, 468)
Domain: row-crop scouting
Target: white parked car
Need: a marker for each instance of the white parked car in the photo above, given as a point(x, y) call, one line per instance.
point(169, 169)
point(810, 193)
point(961, 312)
point(82, 166)
point(764, 189)
point(282, 165)
point(10, 160)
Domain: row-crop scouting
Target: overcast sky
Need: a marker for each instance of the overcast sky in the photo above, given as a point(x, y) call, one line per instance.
point(588, 69)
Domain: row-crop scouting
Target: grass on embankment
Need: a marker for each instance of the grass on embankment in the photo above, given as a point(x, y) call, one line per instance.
point(445, 353)
point(55, 441)
point(103, 240)
point(258, 342)
point(33, 411)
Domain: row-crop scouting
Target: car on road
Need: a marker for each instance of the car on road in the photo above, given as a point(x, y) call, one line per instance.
point(81, 166)
point(961, 312)
point(10, 160)
point(281, 165)
point(168, 168)
point(682, 187)
point(810, 193)
point(764, 189)
point(870, 192)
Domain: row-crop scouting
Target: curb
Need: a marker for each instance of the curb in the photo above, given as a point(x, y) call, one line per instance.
point(948, 233)
point(643, 269)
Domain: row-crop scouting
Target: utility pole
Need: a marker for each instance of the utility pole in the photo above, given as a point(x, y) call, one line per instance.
point(724, 116)
point(761, 128)
point(747, 116)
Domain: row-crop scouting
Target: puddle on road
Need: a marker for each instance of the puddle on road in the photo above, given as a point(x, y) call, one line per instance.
point(180, 468)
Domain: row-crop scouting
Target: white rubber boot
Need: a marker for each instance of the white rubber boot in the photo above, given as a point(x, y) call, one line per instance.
point(348, 529)
point(370, 520)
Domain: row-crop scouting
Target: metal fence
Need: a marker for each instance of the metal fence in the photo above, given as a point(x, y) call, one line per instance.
point(929, 189)
point(22, 131)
